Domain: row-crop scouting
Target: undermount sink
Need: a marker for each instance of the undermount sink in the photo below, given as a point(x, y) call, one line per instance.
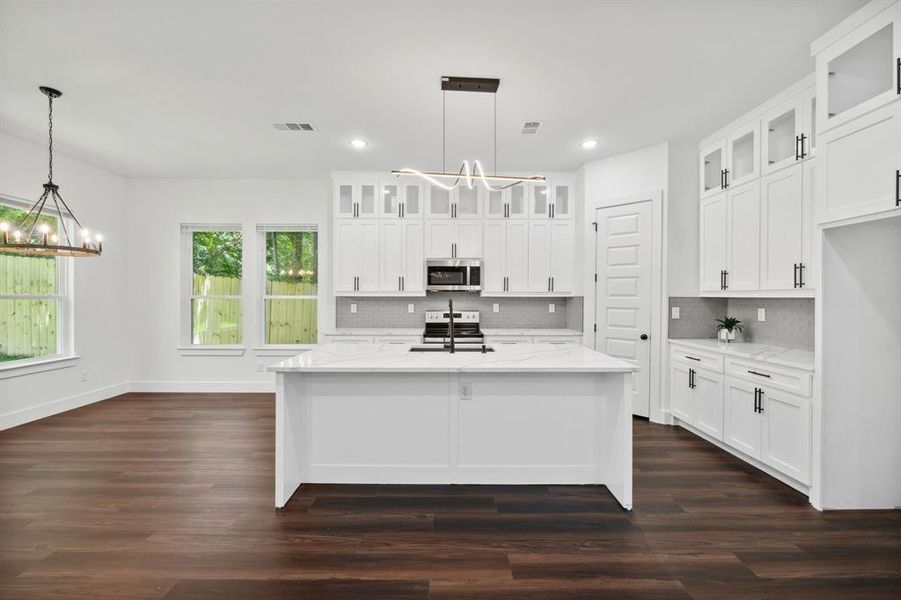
point(440, 348)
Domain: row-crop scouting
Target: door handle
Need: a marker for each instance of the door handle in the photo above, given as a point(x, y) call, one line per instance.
point(643, 336)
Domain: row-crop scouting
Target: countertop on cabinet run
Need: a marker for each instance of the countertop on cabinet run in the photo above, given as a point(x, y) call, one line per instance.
point(797, 358)
point(363, 357)
point(532, 332)
point(399, 331)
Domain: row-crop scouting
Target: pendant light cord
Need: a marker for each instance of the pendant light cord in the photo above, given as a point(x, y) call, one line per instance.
point(50, 121)
point(444, 131)
point(495, 133)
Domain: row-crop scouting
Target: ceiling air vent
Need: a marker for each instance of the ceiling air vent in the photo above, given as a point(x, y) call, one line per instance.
point(293, 126)
point(530, 128)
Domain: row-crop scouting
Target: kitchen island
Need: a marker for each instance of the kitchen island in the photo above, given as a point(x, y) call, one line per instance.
point(523, 414)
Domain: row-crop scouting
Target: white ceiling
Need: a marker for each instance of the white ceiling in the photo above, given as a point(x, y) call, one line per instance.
point(191, 89)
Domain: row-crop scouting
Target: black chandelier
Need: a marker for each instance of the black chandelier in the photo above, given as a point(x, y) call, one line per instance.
point(33, 237)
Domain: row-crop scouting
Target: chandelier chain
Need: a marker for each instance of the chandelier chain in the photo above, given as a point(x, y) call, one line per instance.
point(50, 129)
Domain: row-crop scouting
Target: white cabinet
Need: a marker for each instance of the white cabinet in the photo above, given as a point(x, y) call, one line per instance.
point(401, 200)
point(785, 228)
point(505, 265)
point(461, 202)
point(713, 249)
point(356, 256)
point(696, 397)
point(860, 71)
point(742, 427)
point(860, 166)
point(356, 200)
point(731, 161)
point(787, 134)
point(743, 238)
point(400, 257)
point(551, 256)
point(453, 238)
point(551, 200)
point(713, 163)
point(508, 203)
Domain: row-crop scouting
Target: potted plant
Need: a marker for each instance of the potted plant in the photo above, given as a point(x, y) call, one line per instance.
point(726, 329)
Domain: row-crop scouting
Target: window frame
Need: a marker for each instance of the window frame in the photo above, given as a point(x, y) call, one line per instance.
point(263, 347)
point(186, 346)
point(65, 308)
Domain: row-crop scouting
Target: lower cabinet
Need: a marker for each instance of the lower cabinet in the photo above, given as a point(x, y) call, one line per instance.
point(727, 401)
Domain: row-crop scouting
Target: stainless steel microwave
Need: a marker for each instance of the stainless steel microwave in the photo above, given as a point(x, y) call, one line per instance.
point(453, 275)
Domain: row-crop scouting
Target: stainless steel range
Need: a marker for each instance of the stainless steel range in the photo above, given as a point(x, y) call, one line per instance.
point(465, 327)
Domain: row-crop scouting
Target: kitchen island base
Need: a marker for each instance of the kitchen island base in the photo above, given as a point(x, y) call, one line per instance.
point(453, 427)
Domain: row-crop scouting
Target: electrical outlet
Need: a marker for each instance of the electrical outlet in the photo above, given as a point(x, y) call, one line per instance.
point(465, 391)
point(411, 308)
point(496, 307)
point(551, 307)
point(675, 312)
point(761, 314)
point(353, 308)
point(260, 366)
point(84, 374)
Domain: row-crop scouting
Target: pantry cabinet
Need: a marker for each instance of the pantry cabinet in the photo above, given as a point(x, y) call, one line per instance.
point(505, 257)
point(356, 256)
point(551, 256)
point(453, 238)
point(785, 228)
point(400, 256)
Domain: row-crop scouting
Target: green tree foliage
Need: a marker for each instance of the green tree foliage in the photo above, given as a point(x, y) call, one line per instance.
point(292, 256)
point(217, 253)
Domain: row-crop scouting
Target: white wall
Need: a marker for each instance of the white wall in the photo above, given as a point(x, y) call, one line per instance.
point(682, 206)
point(158, 209)
point(102, 316)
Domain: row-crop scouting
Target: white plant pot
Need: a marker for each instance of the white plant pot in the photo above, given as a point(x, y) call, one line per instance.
point(726, 336)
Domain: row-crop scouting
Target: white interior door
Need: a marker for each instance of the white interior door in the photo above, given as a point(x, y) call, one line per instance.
point(623, 292)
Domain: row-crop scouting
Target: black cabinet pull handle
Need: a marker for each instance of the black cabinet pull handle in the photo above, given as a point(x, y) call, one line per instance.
point(725, 178)
point(897, 187)
point(803, 139)
point(725, 280)
point(722, 179)
point(760, 374)
point(691, 378)
point(722, 280)
point(898, 73)
point(800, 275)
point(692, 358)
point(757, 400)
point(796, 276)
point(797, 143)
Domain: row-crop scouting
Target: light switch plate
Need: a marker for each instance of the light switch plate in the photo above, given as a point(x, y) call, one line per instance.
point(411, 308)
point(465, 391)
point(353, 308)
point(496, 307)
point(675, 311)
point(761, 314)
point(551, 308)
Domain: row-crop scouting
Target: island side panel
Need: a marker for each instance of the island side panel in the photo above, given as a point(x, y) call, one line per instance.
point(614, 438)
point(292, 447)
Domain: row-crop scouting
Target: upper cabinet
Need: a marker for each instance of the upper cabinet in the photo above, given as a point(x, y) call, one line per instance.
point(787, 135)
point(861, 70)
point(461, 202)
point(551, 200)
point(401, 200)
point(731, 161)
point(506, 203)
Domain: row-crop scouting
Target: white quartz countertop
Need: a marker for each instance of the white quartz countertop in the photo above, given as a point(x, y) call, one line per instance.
point(532, 332)
point(399, 331)
point(797, 358)
point(377, 357)
point(417, 331)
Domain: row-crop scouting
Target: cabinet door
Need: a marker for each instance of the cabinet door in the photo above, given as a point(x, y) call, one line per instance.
point(809, 123)
point(468, 201)
point(391, 255)
point(517, 256)
point(808, 194)
point(713, 161)
point(344, 201)
point(708, 403)
point(539, 256)
point(391, 200)
point(414, 259)
point(782, 228)
point(780, 136)
point(562, 256)
point(439, 238)
point(786, 435)
point(369, 252)
point(743, 270)
point(468, 237)
point(494, 258)
point(713, 213)
point(741, 424)
point(539, 203)
point(742, 155)
point(367, 205)
point(563, 201)
point(348, 251)
point(859, 164)
point(859, 72)
point(518, 202)
point(681, 395)
point(413, 206)
point(495, 205)
point(438, 202)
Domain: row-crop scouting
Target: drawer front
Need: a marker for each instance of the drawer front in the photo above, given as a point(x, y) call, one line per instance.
point(763, 374)
point(563, 339)
point(697, 358)
point(397, 339)
point(348, 339)
point(506, 340)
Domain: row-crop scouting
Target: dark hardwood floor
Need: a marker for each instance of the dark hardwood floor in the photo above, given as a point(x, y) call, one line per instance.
point(171, 496)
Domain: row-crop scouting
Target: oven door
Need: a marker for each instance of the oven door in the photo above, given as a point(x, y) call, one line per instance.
point(447, 278)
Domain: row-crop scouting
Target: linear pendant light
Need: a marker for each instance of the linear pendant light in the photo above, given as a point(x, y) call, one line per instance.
point(474, 173)
point(32, 235)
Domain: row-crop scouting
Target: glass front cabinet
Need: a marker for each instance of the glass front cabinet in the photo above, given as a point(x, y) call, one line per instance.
point(787, 134)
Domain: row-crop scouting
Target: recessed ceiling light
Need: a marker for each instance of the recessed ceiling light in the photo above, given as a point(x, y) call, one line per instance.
point(589, 144)
point(358, 143)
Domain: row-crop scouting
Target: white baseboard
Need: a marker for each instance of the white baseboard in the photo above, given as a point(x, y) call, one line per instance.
point(174, 387)
point(33, 413)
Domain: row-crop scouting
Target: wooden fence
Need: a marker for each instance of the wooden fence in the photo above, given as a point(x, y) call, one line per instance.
point(27, 327)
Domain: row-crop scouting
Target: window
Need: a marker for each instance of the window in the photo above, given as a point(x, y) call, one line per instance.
point(214, 311)
point(290, 284)
point(33, 301)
